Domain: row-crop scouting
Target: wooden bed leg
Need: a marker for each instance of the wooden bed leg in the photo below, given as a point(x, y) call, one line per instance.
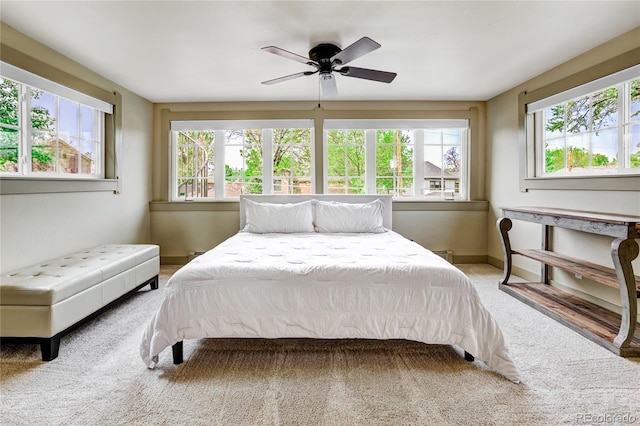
point(49, 348)
point(177, 353)
point(468, 357)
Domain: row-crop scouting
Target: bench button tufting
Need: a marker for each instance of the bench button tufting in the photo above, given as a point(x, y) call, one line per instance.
point(45, 284)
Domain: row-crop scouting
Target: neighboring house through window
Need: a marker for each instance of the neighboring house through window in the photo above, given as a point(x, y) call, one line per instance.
point(409, 159)
point(48, 130)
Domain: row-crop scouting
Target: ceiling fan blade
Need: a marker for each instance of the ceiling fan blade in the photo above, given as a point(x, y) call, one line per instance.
point(287, 54)
point(328, 84)
point(367, 74)
point(355, 50)
point(289, 77)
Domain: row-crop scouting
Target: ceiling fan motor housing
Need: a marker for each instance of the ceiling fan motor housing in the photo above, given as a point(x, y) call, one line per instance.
point(322, 54)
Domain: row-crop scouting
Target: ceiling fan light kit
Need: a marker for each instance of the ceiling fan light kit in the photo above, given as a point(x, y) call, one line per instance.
point(327, 58)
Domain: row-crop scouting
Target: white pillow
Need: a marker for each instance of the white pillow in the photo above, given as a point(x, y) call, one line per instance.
point(265, 218)
point(333, 216)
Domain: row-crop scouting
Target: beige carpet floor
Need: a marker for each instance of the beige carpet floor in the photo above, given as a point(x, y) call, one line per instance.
point(99, 378)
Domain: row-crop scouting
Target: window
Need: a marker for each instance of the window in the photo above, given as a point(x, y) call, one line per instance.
point(346, 162)
point(598, 133)
point(48, 130)
point(195, 152)
point(444, 150)
point(591, 130)
point(243, 162)
point(246, 157)
point(394, 162)
point(424, 159)
point(292, 161)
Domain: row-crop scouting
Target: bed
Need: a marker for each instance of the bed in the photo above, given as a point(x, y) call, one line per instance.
point(324, 267)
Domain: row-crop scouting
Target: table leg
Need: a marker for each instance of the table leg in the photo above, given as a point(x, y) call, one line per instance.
point(504, 224)
point(623, 251)
point(546, 244)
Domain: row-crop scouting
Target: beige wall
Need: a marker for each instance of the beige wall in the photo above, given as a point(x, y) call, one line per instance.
point(503, 190)
point(36, 227)
point(183, 227)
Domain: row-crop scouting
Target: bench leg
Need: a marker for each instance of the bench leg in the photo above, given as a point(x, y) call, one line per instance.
point(468, 357)
point(177, 353)
point(153, 283)
point(49, 348)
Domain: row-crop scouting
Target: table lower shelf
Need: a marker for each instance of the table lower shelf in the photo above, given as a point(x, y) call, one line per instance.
point(588, 319)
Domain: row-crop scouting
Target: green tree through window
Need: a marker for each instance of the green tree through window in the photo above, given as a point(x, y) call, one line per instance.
point(9, 125)
point(583, 133)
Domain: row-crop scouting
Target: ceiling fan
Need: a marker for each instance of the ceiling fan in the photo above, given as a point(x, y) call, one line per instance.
point(327, 58)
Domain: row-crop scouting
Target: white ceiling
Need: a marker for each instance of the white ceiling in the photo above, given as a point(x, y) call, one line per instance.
point(169, 51)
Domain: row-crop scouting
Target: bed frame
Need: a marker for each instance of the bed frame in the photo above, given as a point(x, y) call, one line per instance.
point(177, 349)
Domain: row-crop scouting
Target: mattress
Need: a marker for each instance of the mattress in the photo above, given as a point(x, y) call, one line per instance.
point(325, 286)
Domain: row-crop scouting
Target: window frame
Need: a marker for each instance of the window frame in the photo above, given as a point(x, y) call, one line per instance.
point(529, 176)
point(367, 139)
point(268, 162)
point(20, 184)
point(418, 127)
point(221, 127)
point(398, 178)
point(472, 111)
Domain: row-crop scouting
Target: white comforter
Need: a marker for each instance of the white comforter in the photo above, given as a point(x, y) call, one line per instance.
point(375, 286)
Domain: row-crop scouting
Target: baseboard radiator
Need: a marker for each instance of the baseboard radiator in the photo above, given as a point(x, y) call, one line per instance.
point(193, 255)
point(445, 254)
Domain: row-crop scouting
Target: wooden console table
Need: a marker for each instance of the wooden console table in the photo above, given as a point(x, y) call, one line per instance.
point(618, 333)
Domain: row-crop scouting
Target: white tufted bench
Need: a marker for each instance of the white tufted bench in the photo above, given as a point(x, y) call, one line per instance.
point(43, 302)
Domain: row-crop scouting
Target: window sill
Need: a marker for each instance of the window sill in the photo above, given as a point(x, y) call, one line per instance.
point(439, 205)
point(585, 183)
point(10, 185)
point(406, 205)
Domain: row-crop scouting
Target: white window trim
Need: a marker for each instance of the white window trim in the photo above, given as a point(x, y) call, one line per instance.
point(418, 167)
point(267, 161)
point(30, 79)
point(218, 162)
point(593, 86)
point(404, 124)
point(369, 161)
